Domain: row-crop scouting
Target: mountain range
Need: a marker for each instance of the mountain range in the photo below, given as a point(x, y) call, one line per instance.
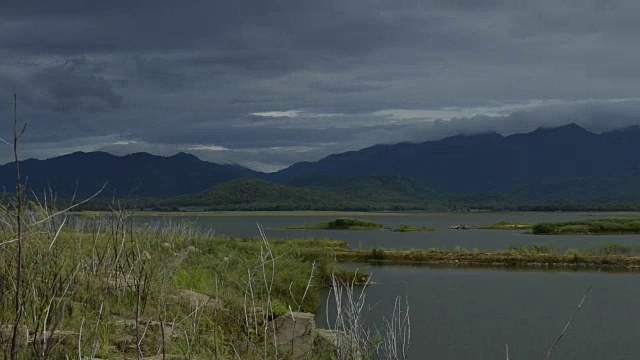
point(139, 174)
point(563, 164)
point(471, 164)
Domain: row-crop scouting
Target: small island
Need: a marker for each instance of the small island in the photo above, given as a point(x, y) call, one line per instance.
point(409, 228)
point(341, 224)
point(506, 225)
point(589, 227)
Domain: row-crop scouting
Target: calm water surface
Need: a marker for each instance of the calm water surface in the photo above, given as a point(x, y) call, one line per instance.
point(473, 313)
point(245, 226)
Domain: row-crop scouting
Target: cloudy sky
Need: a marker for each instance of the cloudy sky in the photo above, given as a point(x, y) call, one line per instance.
point(266, 83)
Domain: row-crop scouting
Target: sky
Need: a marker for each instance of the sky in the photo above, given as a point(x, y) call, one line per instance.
point(267, 83)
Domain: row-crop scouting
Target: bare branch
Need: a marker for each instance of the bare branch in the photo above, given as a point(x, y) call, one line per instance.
point(568, 323)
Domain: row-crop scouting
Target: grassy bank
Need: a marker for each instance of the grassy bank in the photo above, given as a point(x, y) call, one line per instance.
point(609, 257)
point(408, 228)
point(262, 213)
point(589, 227)
point(506, 225)
point(110, 287)
point(342, 224)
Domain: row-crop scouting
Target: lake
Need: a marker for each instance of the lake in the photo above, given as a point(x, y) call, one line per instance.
point(473, 313)
point(484, 240)
point(466, 313)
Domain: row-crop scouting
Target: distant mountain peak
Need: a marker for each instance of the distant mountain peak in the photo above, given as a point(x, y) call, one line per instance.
point(571, 128)
point(138, 173)
point(84, 153)
point(486, 134)
point(489, 162)
point(472, 138)
point(97, 155)
point(140, 154)
point(184, 156)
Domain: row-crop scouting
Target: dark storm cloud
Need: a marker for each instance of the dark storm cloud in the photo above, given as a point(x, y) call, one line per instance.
point(74, 86)
point(252, 137)
point(165, 24)
point(342, 87)
point(269, 82)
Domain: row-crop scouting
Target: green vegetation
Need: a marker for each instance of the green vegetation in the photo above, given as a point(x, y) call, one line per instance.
point(609, 256)
point(342, 224)
point(394, 191)
point(506, 225)
point(111, 287)
point(367, 194)
point(263, 213)
point(409, 228)
point(131, 288)
point(373, 193)
point(589, 227)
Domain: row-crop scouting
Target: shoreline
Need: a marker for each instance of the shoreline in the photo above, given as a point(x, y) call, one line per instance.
point(341, 213)
point(487, 259)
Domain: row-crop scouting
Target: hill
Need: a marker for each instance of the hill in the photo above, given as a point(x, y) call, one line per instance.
point(138, 174)
point(256, 194)
point(546, 164)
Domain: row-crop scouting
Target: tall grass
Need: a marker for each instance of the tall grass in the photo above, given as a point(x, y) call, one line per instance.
point(106, 286)
point(109, 286)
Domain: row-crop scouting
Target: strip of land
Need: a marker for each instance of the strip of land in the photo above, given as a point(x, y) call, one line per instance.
point(612, 226)
point(589, 227)
point(341, 224)
point(505, 225)
point(492, 259)
point(260, 213)
point(409, 228)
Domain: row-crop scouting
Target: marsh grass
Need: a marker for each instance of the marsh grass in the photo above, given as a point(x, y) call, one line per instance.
point(342, 224)
point(590, 226)
point(612, 256)
point(106, 287)
point(409, 228)
point(507, 225)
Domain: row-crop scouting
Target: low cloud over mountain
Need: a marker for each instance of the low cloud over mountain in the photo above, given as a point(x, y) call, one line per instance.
point(269, 83)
